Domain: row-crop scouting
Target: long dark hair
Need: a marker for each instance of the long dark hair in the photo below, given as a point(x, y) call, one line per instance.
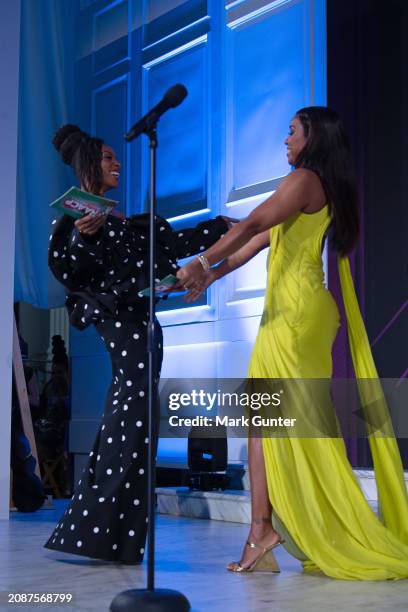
point(327, 152)
point(83, 153)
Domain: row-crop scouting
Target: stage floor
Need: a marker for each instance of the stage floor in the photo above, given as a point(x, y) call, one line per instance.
point(191, 557)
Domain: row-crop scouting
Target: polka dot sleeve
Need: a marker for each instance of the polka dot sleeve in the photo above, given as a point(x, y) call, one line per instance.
point(195, 240)
point(86, 254)
point(74, 260)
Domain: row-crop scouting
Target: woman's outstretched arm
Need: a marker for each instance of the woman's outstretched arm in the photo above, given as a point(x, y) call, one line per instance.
point(238, 259)
point(292, 195)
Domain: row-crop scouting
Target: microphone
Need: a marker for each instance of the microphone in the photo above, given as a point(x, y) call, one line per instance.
point(172, 98)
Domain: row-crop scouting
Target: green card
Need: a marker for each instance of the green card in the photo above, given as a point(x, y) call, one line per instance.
point(77, 203)
point(161, 287)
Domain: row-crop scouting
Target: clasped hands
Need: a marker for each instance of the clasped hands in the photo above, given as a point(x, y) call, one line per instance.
point(194, 277)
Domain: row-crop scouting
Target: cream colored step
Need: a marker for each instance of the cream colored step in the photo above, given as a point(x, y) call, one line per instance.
point(234, 506)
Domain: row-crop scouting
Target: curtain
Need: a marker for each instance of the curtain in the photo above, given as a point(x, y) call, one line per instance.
point(45, 102)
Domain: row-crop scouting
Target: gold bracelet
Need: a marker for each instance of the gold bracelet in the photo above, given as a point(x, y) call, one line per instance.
point(204, 262)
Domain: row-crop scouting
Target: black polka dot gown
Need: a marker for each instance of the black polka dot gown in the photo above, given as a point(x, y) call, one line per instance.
point(107, 516)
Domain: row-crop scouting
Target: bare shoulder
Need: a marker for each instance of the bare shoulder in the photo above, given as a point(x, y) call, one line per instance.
point(304, 177)
point(301, 181)
point(308, 184)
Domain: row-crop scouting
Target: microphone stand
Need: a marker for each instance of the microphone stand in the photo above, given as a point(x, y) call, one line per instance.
point(151, 599)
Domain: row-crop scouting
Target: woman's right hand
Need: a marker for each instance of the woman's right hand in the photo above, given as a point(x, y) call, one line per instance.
point(90, 224)
point(209, 278)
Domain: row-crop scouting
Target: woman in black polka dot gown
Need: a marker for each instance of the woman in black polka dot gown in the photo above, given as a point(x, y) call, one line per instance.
point(104, 264)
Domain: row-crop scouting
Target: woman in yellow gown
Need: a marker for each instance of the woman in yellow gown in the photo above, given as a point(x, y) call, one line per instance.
point(307, 484)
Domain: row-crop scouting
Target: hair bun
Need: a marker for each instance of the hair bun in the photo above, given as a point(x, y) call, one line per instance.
point(67, 140)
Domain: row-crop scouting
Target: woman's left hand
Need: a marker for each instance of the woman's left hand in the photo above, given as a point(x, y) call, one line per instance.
point(192, 276)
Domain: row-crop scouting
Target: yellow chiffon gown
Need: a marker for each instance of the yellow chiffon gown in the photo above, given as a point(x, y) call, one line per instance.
point(316, 499)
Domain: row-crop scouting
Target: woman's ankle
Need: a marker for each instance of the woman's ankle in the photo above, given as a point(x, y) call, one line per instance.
point(261, 526)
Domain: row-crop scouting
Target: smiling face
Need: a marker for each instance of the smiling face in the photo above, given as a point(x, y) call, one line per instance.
point(295, 141)
point(110, 169)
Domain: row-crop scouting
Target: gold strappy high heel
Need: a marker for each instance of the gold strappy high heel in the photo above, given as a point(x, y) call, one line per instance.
point(266, 561)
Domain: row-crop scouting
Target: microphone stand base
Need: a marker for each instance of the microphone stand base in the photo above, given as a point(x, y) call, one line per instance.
point(159, 600)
